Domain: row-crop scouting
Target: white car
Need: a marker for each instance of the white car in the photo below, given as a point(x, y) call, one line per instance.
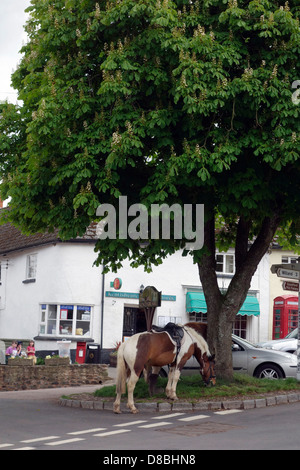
point(287, 344)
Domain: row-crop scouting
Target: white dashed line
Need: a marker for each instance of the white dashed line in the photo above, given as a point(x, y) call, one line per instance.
point(86, 431)
point(25, 448)
point(153, 425)
point(130, 423)
point(227, 412)
point(193, 418)
point(66, 441)
point(111, 433)
point(37, 439)
point(2, 446)
point(172, 415)
point(159, 423)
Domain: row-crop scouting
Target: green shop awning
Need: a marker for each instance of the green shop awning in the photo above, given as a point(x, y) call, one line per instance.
point(195, 302)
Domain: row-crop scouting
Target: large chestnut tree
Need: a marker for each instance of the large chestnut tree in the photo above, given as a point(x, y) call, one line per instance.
point(164, 101)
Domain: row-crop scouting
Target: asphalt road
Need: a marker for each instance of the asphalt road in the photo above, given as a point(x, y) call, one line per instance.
point(34, 420)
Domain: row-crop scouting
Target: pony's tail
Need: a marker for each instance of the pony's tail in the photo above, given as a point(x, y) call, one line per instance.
point(121, 371)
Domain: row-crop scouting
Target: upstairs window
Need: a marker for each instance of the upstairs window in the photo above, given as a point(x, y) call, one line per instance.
point(289, 259)
point(225, 263)
point(31, 265)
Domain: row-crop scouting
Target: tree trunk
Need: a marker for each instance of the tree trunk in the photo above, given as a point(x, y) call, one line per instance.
point(223, 308)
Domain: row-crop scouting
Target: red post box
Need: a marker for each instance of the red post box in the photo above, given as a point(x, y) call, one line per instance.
point(80, 352)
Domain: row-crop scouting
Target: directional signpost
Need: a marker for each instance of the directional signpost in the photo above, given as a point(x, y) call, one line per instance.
point(291, 271)
point(291, 286)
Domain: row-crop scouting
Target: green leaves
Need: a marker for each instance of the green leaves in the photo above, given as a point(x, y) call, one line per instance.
point(160, 100)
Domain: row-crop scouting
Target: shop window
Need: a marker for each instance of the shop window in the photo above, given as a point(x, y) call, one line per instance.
point(240, 326)
point(162, 321)
point(198, 316)
point(65, 320)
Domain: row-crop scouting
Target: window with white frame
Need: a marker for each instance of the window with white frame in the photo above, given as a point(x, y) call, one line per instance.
point(31, 264)
point(240, 326)
point(198, 316)
point(225, 263)
point(65, 320)
point(162, 321)
point(289, 259)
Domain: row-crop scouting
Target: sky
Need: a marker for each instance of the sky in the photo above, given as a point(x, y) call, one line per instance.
point(12, 37)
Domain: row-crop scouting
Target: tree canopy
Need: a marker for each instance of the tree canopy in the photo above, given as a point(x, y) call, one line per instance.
point(162, 101)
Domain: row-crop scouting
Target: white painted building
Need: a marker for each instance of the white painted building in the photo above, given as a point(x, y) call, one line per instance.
point(283, 304)
point(50, 290)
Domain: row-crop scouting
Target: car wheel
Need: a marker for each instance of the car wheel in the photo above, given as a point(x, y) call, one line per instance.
point(269, 371)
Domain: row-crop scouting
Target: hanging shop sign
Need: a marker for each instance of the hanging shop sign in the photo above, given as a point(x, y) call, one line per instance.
point(116, 283)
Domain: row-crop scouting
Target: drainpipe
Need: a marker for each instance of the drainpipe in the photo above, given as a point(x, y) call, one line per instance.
point(102, 313)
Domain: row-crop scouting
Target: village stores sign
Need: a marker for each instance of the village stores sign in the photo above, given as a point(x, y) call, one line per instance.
point(291, 271)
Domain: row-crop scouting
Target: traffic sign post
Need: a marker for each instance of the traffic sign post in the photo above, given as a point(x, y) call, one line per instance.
point(291, 271)
point(288, 273)
point(291, 286)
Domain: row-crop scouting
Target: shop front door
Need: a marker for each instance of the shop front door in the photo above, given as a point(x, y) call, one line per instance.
point(134, 321)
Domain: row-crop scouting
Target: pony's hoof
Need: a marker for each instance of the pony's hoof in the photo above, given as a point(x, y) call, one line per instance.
point(117, 410)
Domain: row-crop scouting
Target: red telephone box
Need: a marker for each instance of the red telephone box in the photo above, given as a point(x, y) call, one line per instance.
point(285, 315)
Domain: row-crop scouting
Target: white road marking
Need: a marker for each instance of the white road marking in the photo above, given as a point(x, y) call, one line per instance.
point(111, 433)
point(66, 441)
point(37, 439)
point(193, 418)
point(172, 415)
point(227, 412)
point(153, 425)
point(86, 431)
point(116, 432)
point(131, 423)
point(25, 448)
point(2, 446)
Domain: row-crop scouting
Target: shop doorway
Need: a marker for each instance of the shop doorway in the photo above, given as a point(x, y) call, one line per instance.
point(134, 321)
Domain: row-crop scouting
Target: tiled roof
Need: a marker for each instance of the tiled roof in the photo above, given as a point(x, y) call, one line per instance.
point(12, 239)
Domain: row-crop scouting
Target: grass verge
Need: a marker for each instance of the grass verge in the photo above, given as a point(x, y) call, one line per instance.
point(192, 388)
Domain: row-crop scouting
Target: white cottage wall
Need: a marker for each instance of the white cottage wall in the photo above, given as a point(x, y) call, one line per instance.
point(65, 274)
point(176, 276)
point(168, 278)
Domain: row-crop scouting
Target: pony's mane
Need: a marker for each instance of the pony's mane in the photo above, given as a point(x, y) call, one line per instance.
point(199, 339)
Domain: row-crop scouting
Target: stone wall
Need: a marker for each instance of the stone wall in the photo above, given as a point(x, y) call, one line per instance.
point(28, 377)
